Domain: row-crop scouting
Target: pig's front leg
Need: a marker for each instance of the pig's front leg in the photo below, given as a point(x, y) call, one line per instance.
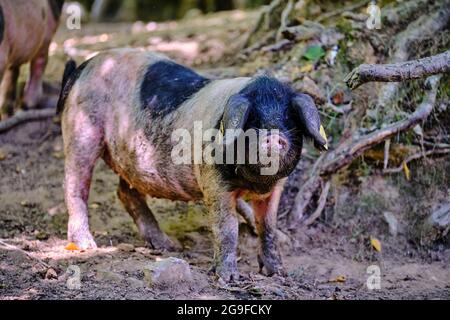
point(266, 223)
point(222, 209)
point(135, 204)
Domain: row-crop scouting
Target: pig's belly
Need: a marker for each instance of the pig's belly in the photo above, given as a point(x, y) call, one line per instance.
point(155, 179)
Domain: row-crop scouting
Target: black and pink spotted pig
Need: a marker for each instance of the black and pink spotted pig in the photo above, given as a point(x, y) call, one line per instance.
point(26, 31)
point(123, 105)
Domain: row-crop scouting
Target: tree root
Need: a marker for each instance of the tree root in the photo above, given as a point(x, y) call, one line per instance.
point(25, 116)
point(399, 71)
point(337, 12)
point(8, 246)
point(349, 149)
point(423, 28)
point(416, 156)
point(320, 206)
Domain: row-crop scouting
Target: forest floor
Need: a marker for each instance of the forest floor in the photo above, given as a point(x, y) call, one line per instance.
point(325, 261)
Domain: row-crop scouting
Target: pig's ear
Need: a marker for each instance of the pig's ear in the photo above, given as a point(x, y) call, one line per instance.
point(310, 120)
point(236, 113)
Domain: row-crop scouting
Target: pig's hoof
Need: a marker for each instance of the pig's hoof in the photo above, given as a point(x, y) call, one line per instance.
point(163, 243)
point(272, 266)
point(227, 275)
point(84, 242)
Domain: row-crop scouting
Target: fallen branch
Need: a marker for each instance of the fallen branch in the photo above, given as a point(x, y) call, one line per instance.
point(396, 72)
point(331, 14)
point(349, 149)
point(25, 116)
point(425, 27)
point(415, 157)
point(29, 255)
point(321, 205)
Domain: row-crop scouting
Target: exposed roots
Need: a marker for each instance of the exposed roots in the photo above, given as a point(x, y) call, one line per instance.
point(25, 116)
point(403, 71)
point(349, 149)
point(423, 28)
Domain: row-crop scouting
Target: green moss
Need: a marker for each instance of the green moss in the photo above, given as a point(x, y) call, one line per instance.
point(193, 219)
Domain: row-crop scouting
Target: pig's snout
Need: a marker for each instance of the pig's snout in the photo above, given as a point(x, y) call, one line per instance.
point(274, 143)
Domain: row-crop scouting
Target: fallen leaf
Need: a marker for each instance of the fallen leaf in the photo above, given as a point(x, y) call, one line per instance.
point(339, 279)
point(307, 68)
point(58, 155)
point(314, 53)
point(407, 171)
point(72, 247)
point(376, 244)
point(3, 155)
point(324, 135)
point(338, 98)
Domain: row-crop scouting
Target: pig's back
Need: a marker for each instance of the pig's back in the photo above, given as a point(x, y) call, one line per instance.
point(109, 92)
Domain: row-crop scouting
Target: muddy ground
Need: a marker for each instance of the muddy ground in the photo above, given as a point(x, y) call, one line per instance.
point(326, 261)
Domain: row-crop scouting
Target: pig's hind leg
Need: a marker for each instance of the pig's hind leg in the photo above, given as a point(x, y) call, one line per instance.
point(135, 204)
point(34, 87)
point(83, 145)
point(8, 92)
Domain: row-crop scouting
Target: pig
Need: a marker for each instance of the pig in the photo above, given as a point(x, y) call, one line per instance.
point(123, 106)
point(26, 31)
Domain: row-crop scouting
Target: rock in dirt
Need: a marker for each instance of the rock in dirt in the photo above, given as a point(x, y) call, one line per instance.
point(441, 217)
point(126, 247)
point(3, 155)
point(168, 271)
point(135, 283)
point(51, 274)
point(108, 275)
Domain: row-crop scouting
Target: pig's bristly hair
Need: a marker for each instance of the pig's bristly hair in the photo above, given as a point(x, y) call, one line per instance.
point(167, 85)
point(265, 91)
point(270, 100)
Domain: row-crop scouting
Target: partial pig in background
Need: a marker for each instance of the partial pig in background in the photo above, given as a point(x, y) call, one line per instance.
point(26, 31)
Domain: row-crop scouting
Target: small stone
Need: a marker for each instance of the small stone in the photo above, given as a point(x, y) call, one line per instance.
point(51, 274)
point(135, 283)
point(126, 247)
point(441, 217)
point(42, 235)
point(107, 275)
point(56, 210)
point(3, 155)
point(170, 271)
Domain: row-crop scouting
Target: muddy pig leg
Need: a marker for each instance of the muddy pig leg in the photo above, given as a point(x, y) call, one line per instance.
point(8, 92)
point(83, 146)
point(34, 87)
point(266, 224)
point(135, 204)
point(221, 205)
